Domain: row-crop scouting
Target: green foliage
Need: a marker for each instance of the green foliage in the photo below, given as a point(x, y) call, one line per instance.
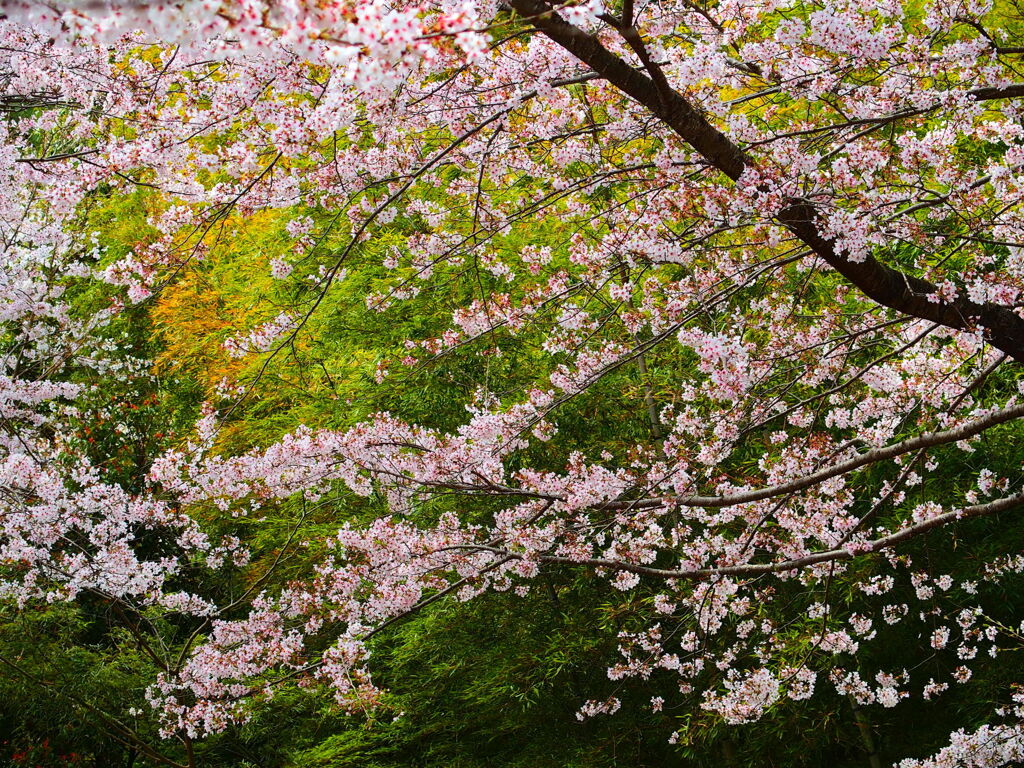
point(493, 682)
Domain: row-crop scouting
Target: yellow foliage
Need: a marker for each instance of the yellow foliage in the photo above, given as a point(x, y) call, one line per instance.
point(191, 320)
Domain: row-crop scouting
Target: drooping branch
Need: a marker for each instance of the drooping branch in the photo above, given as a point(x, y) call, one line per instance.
point(875, 455)
point(889, 452)
point(848, 552)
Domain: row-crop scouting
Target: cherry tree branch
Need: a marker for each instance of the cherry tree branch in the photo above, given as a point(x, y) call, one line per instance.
point(927, 440)
point(889, 287)
point(848, 552)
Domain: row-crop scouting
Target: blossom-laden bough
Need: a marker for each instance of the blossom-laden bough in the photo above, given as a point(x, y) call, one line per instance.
point(801, 223)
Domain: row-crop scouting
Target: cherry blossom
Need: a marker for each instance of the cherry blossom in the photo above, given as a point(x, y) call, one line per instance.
point(813, 278)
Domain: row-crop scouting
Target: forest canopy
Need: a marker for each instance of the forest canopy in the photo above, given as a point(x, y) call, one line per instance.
point(512, 383)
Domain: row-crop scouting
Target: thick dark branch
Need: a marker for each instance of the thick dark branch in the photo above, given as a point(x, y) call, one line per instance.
point(677, 112)
point(904, 293)
point(1002, 327)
